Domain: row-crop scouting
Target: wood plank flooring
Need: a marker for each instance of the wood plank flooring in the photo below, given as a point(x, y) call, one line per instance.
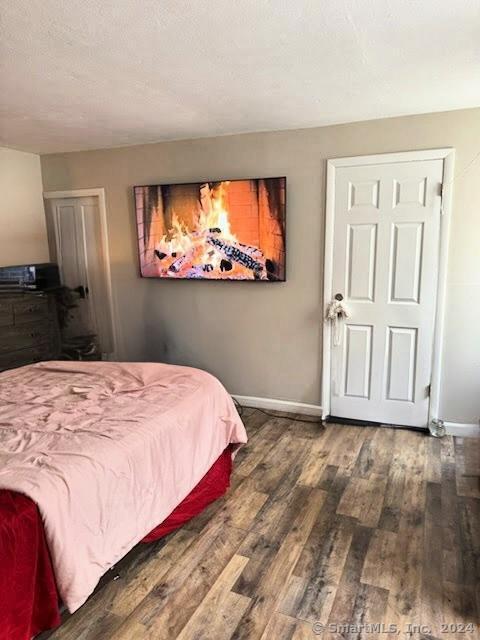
point(338, 526)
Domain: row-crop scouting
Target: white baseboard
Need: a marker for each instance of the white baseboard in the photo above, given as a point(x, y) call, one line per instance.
point(279, 405)
point(464, 430)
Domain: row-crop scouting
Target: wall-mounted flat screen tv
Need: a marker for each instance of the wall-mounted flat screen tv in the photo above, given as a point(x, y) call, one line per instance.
point(223, 230)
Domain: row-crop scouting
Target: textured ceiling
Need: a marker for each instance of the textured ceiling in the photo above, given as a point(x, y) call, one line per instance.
point(83, 74)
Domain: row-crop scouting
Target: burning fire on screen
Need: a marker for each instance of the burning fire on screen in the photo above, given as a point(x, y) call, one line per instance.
point(192, 237)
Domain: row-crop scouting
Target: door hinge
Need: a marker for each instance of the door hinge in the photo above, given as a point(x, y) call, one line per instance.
point(440, 193)
point(429, 390)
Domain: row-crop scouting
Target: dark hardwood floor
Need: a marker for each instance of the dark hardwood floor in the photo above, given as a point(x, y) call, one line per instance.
point(346, 525)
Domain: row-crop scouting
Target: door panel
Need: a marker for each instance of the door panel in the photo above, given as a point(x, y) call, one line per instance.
point(97, 279)
point(411, 191)
point(385, 261)
point(361, 251)
point(405, 273)
point(358, 355)
point(401, 358)
point(363, 194)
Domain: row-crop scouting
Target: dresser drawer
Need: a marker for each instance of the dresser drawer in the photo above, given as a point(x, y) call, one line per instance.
point(6, 313)
point(21, 357)
point(22, 336)
point(29, 330)
point(31, 310)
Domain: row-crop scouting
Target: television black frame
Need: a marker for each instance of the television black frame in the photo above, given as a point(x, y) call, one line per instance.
point(183, 279)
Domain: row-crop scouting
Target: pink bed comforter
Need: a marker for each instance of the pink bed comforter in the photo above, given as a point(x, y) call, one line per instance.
point(107, 451)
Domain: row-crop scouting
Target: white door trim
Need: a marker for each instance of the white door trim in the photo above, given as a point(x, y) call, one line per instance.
point(102, 208)
point(448, 157)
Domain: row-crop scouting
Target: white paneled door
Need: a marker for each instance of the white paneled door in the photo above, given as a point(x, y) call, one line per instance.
point(386, 238)
point(80, 253)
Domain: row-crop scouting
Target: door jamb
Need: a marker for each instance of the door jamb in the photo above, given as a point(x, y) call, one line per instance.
point(448, 156)
point(98, 193)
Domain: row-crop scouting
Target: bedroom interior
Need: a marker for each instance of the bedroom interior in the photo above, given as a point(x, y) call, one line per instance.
point(239, 320)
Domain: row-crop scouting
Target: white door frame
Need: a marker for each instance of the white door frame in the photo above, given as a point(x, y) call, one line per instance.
point(102, 208)
point(448, 157)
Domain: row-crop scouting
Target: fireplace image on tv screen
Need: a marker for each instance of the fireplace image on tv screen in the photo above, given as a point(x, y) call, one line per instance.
point(225, 230)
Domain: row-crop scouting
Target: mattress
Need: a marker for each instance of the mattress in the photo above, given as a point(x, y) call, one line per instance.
point(29, 601)
point(107, 451)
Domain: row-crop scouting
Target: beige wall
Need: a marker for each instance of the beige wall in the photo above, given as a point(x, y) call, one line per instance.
point(22, 233)
point(265, 339)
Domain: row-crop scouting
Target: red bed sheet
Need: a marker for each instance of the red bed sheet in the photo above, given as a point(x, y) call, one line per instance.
point(29, 601)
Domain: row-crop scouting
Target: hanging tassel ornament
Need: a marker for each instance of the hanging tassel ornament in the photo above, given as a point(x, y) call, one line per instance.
point(336, 313)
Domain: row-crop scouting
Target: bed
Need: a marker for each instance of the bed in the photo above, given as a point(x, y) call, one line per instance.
point(95, 457)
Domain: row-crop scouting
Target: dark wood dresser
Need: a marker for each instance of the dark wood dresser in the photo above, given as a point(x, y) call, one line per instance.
point(29, 329)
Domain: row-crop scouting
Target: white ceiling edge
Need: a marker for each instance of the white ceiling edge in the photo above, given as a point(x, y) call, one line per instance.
point(234, 133)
